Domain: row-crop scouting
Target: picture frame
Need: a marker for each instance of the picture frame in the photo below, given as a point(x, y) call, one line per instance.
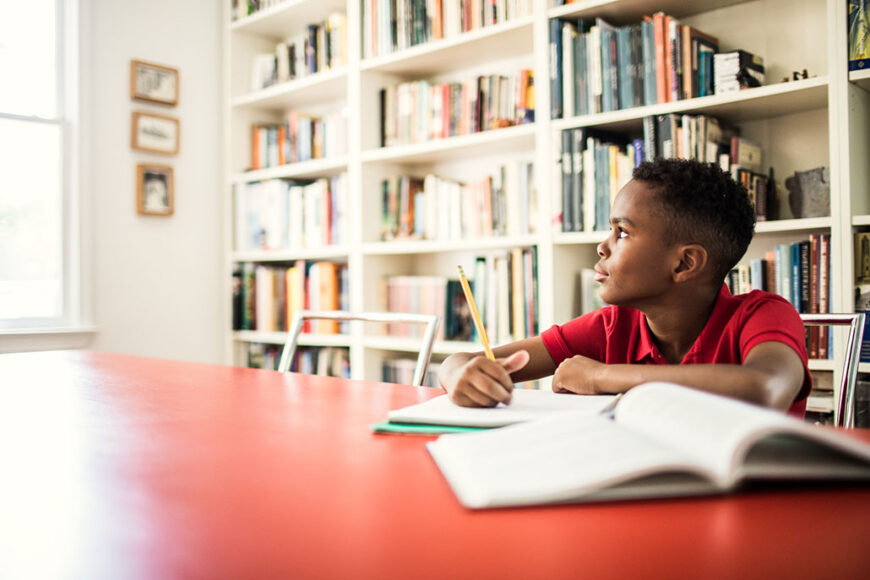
point(153, 83)
point(155, 189)
point(155, 133)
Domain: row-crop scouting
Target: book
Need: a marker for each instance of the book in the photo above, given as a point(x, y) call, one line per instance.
point(526, 405)
point(859, 34)
point(662, 440)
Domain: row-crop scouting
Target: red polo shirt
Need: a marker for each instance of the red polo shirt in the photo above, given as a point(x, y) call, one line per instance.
point(619, 335)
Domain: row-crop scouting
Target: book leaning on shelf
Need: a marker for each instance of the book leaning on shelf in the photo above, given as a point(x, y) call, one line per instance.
point(859, 34)
point(662, 440)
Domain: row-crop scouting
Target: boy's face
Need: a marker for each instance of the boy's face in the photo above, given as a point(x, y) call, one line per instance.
point(635, 265)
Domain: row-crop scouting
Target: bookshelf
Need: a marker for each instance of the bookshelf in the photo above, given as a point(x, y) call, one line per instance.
point(800, 124)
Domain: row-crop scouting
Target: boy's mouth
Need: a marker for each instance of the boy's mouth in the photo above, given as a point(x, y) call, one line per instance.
point(600, 274)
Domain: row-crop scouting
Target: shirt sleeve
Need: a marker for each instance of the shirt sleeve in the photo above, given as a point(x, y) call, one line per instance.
point(585, 335)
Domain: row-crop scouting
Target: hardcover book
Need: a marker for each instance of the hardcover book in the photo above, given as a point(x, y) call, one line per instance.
point(859, 34)
point(662, 440)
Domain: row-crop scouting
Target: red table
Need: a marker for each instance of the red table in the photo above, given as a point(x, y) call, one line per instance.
point(124, 467)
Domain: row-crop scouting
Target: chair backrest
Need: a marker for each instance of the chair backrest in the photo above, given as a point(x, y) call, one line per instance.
point(844, 413)
point(430, 320)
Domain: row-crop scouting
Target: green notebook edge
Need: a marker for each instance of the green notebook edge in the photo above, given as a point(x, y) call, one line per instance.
point(420, 429)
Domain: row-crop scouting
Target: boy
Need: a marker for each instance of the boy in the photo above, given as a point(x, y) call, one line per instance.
point(677, 228)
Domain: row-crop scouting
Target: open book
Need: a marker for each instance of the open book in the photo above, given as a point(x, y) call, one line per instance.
point(525, 406)
point(662, 440)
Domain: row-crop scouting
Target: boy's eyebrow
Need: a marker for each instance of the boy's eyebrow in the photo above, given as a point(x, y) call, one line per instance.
point(621, 221)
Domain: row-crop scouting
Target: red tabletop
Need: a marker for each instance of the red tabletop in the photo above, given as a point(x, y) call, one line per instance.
point(125, 467)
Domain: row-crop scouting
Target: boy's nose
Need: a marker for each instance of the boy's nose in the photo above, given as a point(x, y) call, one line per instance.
point(600, 249)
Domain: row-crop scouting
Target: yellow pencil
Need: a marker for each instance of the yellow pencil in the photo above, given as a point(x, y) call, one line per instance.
point(475, 315)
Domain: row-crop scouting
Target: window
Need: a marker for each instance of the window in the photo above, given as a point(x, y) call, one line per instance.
point(36, 164)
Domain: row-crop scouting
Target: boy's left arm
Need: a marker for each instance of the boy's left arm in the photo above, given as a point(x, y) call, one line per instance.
point(771, 375)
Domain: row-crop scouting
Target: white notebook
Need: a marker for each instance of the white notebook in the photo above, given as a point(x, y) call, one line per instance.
point(526, 405)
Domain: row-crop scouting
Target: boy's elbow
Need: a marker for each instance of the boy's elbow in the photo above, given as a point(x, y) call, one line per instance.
point(776, 391)
point(777, 374)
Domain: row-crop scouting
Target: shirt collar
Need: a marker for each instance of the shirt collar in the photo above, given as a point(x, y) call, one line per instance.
point(646, 348)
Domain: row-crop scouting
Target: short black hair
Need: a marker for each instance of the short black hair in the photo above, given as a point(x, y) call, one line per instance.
point(702, 204)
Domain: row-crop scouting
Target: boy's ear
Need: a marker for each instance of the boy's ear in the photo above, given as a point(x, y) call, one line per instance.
point(693, 260)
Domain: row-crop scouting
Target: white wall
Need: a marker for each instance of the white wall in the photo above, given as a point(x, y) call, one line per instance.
point(155, 280)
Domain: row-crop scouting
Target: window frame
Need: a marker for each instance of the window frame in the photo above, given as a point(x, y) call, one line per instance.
point(70, 328)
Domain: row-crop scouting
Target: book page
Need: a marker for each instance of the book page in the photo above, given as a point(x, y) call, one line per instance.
point(525, 406)
point(708, 427)
point(722, 434)
point(567, 456)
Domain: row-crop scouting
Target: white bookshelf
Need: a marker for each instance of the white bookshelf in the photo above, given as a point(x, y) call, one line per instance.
point(821, 120)
point(860, 78)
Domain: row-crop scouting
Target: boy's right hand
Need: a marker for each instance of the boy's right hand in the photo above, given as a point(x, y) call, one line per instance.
point(480, 382)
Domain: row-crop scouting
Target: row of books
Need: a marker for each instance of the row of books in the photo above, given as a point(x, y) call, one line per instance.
point(393, 25)
point(800, 273)
point(266, 297)
point(862, 288)
point(421, 111)
point(595, 164)
point(311, 360)
point(437, 208)
point(322, 47)
point(596, 67)
point(241, 8)
point(301, 138)
point(286, 215)
point(401, 371)
point(505, 291)
point(706, 139)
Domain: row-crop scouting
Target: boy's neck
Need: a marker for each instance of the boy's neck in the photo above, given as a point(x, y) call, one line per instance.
point(676, 325)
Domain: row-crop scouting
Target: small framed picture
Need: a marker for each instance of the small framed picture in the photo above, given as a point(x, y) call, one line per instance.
point(154, 133)
point(154, 190)
point(154, 83)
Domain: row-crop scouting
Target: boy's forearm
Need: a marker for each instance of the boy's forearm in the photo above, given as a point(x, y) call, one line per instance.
point(737, 381)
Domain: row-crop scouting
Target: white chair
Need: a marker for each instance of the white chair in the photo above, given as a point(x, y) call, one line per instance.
point(844, 413)
point(430, 320)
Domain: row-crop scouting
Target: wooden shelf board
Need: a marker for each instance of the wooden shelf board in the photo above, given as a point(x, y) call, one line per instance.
point(510, 139)
point(817, 364)
point(509, 39)
point(329, 85)
point(281, 20)
point(861, 220)
point(572, 238)
point(302, 170)
point(281, 338)
point(861, 78)
point(619, 12)
point(436, 246)
point(775, 226)
point(762, 102)
point(332, 253)
point(413, 345)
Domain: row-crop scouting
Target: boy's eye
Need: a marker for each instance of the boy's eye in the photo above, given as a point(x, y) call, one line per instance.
point(621, 233)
